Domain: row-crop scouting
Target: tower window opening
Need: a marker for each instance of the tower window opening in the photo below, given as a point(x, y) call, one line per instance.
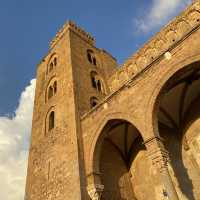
point(99, 86)
point(52, 63)
point(93, 102)
point(94, 61)
point(55, 61)
point(91, 57)
point(51, 67)
point(94, 82)
point(50, 92)
point(51, 89)
point(93, 76)
point(51, 120)
point(55, 87)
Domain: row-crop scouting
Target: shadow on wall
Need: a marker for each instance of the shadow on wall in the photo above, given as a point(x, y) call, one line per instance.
point(114, 174)
point(173, 143)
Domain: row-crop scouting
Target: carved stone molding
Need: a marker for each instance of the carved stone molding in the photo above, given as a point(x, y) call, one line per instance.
point(95, 191)
point(175, 31)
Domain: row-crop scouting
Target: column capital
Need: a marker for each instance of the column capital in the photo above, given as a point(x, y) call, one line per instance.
point(95, 191)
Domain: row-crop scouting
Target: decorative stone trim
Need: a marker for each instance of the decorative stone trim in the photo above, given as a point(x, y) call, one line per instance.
point(95, 191)
point(161, 43)
point(72, 26)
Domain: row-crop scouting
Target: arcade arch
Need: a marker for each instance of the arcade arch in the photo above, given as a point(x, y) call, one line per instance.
point(119, 160)
point(177, 121)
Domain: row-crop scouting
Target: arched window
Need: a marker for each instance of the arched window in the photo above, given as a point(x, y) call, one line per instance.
point(52, 89)
point(94, 61)
point(51, 120)
point(55, 87)
point(51, 67)
point(91, 57)
point(93, 82)
point(93, 102)
point(97, 82)
point(50, 92)
point(99, 86)
point(52, 63)
point(55, 61)
point(93, 76)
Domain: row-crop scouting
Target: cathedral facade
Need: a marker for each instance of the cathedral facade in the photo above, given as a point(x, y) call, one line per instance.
point(106, 132)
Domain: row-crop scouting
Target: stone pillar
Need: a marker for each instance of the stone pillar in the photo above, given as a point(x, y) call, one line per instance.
point(160, 158)
point(95, 191)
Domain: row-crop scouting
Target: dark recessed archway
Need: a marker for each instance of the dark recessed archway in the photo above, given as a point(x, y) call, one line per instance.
point(120, 158)
point(178, 104)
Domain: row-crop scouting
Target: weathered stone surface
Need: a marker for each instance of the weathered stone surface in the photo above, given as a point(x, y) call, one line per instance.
point(103, 132)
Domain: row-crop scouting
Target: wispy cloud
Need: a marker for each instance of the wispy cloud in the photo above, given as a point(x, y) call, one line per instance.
point(159, 13)
point(14, 139)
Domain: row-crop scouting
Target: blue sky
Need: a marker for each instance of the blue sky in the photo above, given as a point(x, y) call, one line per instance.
point(27, 27)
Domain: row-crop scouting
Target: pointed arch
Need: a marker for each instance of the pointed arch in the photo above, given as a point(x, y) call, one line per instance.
point(52, 63)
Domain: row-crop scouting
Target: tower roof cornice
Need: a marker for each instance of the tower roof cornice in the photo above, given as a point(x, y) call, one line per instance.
point(70, 25)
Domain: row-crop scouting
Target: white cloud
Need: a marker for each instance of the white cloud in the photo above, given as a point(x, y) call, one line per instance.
point(159, 13)
point(14, 140)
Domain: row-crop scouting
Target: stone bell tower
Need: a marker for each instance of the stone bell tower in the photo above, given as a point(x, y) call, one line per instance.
point(71, 79)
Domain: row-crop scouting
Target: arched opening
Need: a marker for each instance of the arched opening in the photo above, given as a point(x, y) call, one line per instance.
point(93, 76)
point(51, 67)
point(99, 88)
point(120, 160)
point(55, 61)
point(51, 89)
point(52, 63)
point(97, 82)
point(91, 57)
point(51, 120)
point(178, 120)
point(50, 92)
point(94, 61)
point(55, 87)
point(93, 102)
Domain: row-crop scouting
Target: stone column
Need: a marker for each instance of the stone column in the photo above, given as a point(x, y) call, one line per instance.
point(160, 158)
point(95, 191)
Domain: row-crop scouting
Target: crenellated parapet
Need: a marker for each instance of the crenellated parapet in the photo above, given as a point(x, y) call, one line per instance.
point(73, 27)
point(171, 34)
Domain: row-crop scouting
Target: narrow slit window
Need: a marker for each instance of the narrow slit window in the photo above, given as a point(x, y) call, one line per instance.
point(93, 102)
point(94, 61)
point(94, 82)
point(51, 120)
point(55, 87)
point(50, 92)
point(89, 57)
point(51, 67)
point(99, 85)
point(93, 79)
point(55, 61)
